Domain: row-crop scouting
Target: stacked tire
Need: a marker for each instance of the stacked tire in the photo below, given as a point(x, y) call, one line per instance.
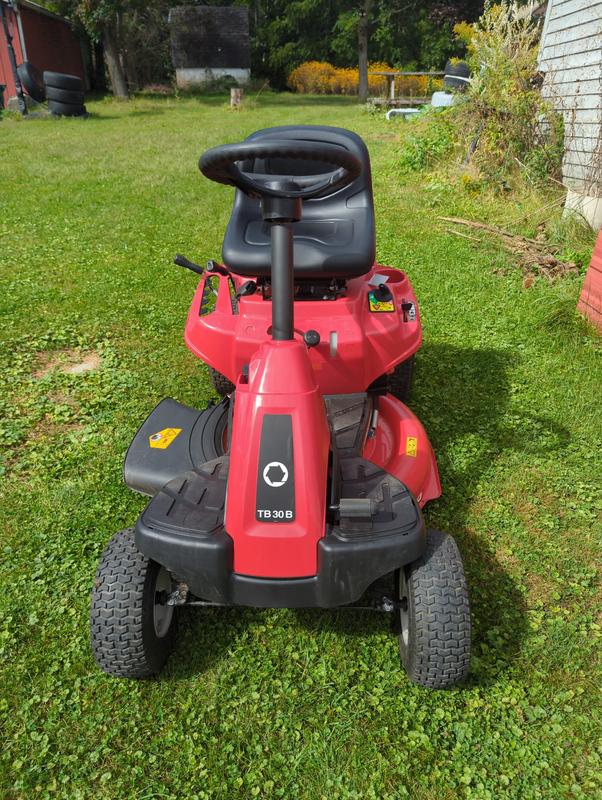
point(65, 94)
point(32, 81)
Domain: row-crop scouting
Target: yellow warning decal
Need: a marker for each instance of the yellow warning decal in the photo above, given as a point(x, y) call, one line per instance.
point(411, 446)
point(162, 439)
point(379, 305)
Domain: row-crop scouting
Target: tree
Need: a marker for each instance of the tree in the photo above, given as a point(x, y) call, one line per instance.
point(100, 19)
point(134, 35)
point(363, 35)
point(407, 33)
point(108, 33)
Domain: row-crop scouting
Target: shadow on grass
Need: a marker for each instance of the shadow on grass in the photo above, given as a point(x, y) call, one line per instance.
point(204, 637)
point(463, 398)
point(129, 112)
point(288, 99)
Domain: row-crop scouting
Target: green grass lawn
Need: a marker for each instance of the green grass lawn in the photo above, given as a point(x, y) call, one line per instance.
point(276, 703)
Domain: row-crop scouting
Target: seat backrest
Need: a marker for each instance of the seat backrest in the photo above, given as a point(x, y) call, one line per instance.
point(336, 236)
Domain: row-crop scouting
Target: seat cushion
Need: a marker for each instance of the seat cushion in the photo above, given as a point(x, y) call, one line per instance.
point(334, 239)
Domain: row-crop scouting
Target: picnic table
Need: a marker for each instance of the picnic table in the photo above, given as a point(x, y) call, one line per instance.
point(392, 74)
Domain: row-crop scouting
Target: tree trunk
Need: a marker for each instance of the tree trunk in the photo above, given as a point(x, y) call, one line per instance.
point(363, 33)
point(116, 74)
point(99, 81)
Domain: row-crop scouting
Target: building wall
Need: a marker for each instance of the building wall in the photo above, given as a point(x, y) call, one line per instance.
point(43, 39)
point(50, 43)
point(6, 75)
point(188, 77)
point(571, 58)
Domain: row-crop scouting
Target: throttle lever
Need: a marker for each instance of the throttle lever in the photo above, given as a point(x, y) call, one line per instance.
point(184, 262)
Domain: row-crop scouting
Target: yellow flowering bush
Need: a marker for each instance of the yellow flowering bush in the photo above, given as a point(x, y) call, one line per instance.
point(312, 77)
point(320, 77)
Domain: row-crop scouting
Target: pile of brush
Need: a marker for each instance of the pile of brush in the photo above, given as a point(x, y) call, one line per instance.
point(534, 256)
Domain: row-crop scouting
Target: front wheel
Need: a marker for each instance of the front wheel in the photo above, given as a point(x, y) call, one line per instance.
point(434, 616)
point(131, 626)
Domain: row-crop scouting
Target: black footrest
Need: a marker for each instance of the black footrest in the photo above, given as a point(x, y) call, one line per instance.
point(168, 443)
point(192, 503)
point(394, 509)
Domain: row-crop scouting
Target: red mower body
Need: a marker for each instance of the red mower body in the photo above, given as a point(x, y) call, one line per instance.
point(303, 486)
point(358, 344)
point(356, 347)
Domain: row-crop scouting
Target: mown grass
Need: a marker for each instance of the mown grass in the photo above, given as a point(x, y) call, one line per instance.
point(276, 703)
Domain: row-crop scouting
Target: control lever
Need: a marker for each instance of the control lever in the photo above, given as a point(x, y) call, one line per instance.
point(184, 262)
point(382, 293)
point(311, 338)
point(212, 266)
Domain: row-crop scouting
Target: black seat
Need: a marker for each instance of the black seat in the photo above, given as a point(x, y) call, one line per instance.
point(335, 238)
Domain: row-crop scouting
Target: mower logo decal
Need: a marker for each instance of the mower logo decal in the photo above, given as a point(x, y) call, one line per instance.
point(275, 474)
point(380, 305)
point(162, 439)
point(275, 492)
point(411, 446)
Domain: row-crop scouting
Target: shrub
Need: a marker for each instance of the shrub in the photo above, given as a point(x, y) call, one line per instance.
point(312, 77)
point(320, 77)
point(501, 125)
point(157, 89)
point(503, 111)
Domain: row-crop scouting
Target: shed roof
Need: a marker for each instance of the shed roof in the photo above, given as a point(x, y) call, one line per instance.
point(37, 8)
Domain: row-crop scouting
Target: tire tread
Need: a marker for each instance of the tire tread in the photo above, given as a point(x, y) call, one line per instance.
point(117, 610)
point(442, 629)
point(221, 384)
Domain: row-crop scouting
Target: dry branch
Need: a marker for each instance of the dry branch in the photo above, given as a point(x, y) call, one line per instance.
point(490, 228)
point(535, 256)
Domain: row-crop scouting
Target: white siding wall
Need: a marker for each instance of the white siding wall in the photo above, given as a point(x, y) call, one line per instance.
point(571, 57)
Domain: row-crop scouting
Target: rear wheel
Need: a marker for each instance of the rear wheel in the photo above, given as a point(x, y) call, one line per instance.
point(434, 618)
point(221, 384)
point(400, 380)
point(210, 435)
point(131, 626)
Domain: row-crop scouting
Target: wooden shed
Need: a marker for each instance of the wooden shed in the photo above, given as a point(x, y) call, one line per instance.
point(208, 42)
point(40, 37)
point(571, 58)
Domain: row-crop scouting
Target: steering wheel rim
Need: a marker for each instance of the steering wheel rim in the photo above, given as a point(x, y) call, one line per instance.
point(221, 164)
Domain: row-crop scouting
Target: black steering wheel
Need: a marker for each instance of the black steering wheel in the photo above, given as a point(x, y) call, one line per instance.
point(223, 164)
